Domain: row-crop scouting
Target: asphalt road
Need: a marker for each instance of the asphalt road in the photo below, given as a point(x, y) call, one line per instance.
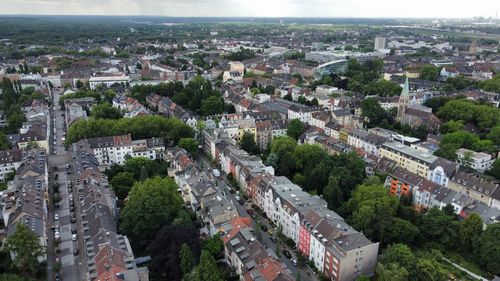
point(71, 266)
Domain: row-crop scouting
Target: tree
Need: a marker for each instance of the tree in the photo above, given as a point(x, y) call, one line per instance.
point(438, 227)
point(212, 105)
point(372, 110)
point(399, 254)
point(26, 247)
point(122, 183)
point(429, 72)
point(487, 249)
point(186, 259)
point(469, 230)
point(452, 126)
point(391, 272)
point(4, 142)
point(248, 144)
point(282, 145)
point(495, 169)
point(428, 270)
point(214, 246)
point(400, 231)
point(151, 204)
point(295, 129)
point(105, 111)
point(207, 269)
point(168, 260)
point(333, 194)
point(371, 208)
point(12, 277)
point(189, 144)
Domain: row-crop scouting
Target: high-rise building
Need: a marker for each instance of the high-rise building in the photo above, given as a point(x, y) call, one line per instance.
point(380, 43)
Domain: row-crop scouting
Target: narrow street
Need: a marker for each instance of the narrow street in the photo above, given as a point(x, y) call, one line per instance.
point(306, 274)
point(71, 266)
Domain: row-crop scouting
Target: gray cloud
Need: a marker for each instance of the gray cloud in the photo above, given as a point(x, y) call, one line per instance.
point(255, 8)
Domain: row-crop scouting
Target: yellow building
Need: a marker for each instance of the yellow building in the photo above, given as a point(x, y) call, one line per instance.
point(413, 160)
point(247, 125)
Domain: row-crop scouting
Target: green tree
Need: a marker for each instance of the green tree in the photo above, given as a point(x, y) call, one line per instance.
point(495, 169)
point(189, 144)
point(186, 259)
point(400, 231)
point(12, 277)
point(487, 249)
point(105, 111)
point(295, 129)
point(282, 145)
point(122, 184)
point(391, 272)
point(212, 105)
point(248, 144)
point(332, 193)
point(452, 126)
point(373, 111)
point(399, 254)
point(469, 230)
point(429, 72)
point(4, 142)
point(371, 207)
point(494, 135)
point(26, 247)
point(207, 269)
point(438, 227)
point(151, 204)
point(213, 245)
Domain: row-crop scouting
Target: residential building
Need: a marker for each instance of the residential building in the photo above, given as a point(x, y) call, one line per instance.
point(10, 160)
point(478, 161)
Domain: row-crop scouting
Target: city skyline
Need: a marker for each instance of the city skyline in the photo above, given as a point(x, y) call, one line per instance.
point(236, 8)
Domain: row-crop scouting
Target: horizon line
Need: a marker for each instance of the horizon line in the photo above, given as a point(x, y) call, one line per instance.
point(246, 17)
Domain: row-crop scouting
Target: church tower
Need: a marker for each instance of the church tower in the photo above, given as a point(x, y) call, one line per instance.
point(404, 99)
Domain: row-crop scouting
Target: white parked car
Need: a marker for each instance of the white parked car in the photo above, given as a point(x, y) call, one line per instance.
point(74, 237)
point(56, 235)
point(56, 217)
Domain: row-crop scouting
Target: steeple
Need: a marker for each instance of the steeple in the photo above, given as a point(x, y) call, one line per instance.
point(404, 98)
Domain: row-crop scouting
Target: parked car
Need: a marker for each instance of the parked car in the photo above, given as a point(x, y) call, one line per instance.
point(287, 254)
point(73, 231)
point(263, 227)
point(273, 239)
point(76, 252)
point(56, 217)
point(72, 220)
point(237, 198)
point(294, 261)
point(74, 237)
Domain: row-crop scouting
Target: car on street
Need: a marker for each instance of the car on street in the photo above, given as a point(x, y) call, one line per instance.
point(72, 220)
point(56, 235)
point(74, 237)
point(263, 227)
point(270, 231)
point(273, 239)
point(216, 173)
point(58, 277)
point(71, 208)
point(58, 258)
point(56, 217)
point(237, 198)
point(294, 261)
point(287, 254)
point(76, 252)
point(73, 231)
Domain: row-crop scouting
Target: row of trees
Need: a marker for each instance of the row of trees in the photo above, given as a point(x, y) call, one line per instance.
point(12, 105)
point(139, 127)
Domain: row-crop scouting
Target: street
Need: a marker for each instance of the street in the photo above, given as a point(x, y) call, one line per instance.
point(71, 266)
point(264, 237)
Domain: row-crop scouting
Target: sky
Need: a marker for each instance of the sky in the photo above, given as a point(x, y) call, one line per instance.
point(258, 8)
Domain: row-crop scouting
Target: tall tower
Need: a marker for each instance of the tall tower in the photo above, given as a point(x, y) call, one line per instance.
point(404, 99)
point(473, 48)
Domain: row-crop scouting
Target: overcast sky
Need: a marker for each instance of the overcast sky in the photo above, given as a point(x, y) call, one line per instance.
point(257, 8)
